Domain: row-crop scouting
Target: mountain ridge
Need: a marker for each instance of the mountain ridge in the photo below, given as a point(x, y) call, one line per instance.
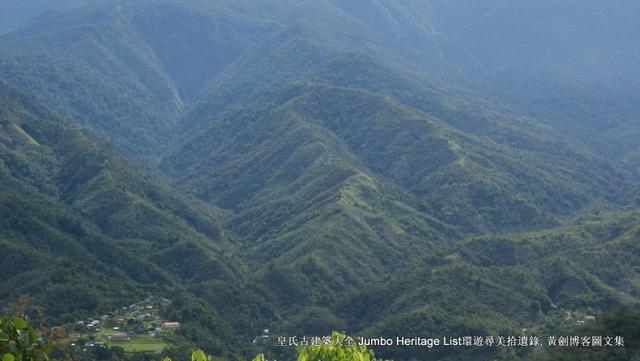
point(375, 167)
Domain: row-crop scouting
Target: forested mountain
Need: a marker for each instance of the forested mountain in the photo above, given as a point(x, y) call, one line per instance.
point(447, 172)
point(500, 284)
point(109, 66)
point(378, 167)
point(166, 54)
point(84, 231)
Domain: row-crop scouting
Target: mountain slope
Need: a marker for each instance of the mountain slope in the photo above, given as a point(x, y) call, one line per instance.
point(332, 188)
point(373, 196)
point(119, 69)
point(437, 165)
point(107, 55)
point(568, 59)
point(491, 118)
point(44, 155)
point(500, 284)
point(299, 196)
point(84, 231)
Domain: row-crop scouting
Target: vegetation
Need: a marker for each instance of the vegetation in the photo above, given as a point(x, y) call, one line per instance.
point(492, 285)
point(19, 341)
point(313, 166)
point(85, 232)
point(342, 350)
point(622, 322)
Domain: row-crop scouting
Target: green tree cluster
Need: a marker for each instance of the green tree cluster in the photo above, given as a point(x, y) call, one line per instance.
point(19, 341)
point(341, 348)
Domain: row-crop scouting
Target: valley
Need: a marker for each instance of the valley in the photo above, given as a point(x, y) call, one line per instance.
point(378, 168)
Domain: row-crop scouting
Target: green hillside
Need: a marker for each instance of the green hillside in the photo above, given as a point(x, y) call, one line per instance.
point(451, 176)
point(84, 231)
point(110, 69)
point(283, 167)
point(492, 285)
point(47, 157)
point(336, 187)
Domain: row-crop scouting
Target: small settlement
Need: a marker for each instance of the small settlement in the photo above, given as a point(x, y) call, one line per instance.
point(136, 328)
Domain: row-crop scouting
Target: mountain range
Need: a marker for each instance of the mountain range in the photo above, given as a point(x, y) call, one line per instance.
point(376, 167)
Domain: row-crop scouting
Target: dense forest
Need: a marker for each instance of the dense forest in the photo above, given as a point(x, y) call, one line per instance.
point(224, 176)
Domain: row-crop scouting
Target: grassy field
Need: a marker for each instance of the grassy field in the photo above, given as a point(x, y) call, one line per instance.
point(139, 344)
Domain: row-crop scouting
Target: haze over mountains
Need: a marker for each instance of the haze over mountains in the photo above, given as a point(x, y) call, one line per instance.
point(282, 164)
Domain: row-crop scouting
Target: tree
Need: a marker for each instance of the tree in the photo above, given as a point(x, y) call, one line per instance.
point(341, 348)
point(19, 341)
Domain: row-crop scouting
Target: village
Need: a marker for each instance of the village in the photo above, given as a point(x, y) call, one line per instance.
point(136, 328)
